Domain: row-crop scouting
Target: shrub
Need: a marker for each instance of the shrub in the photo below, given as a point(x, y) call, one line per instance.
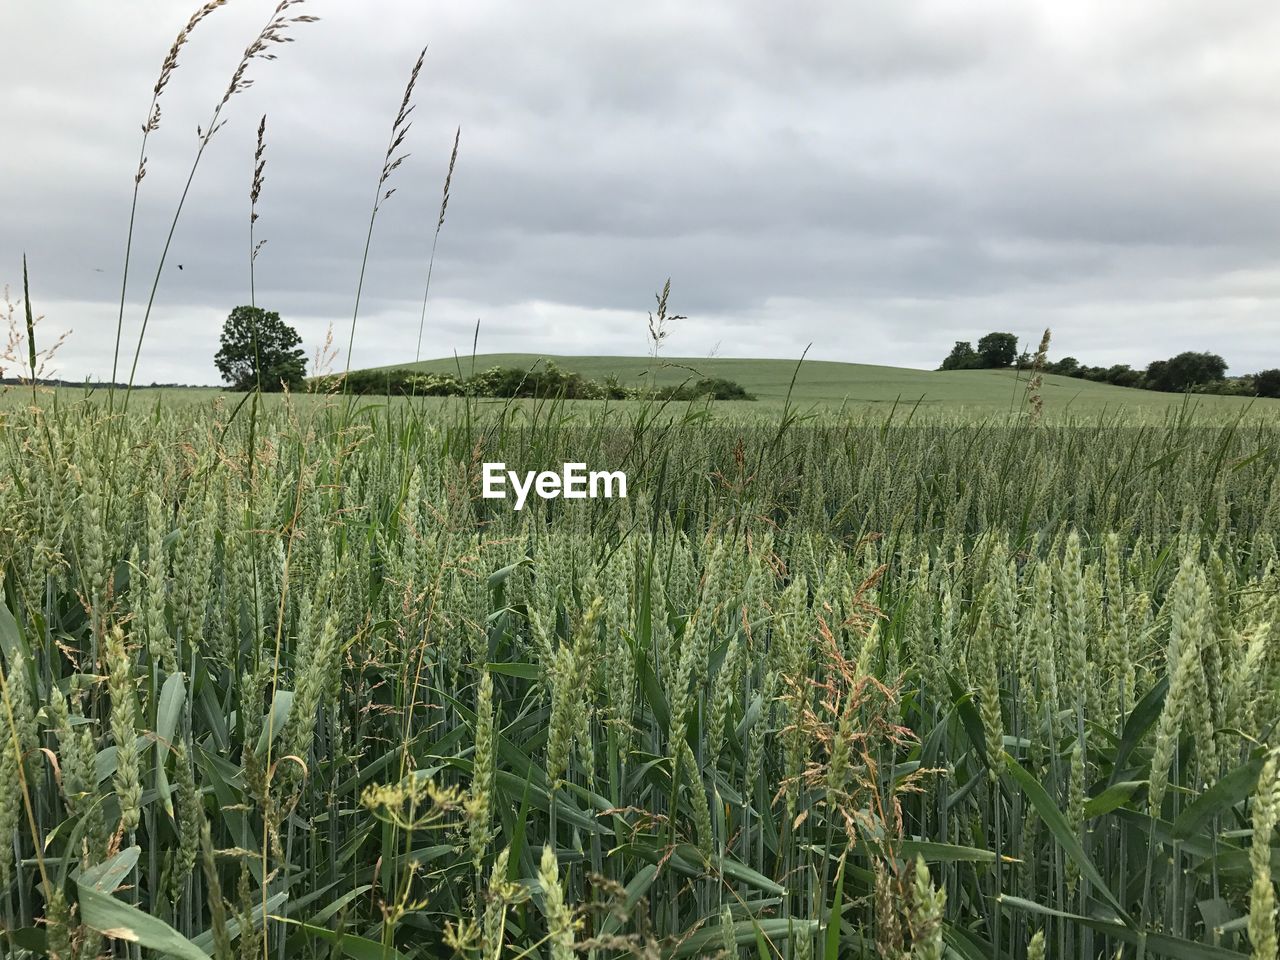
point(1266, 383)
point(514, 382)
point(962, 357)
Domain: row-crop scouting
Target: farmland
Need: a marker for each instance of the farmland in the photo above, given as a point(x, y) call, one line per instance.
point(820, 389)
point(828, 385)
point(279, 682)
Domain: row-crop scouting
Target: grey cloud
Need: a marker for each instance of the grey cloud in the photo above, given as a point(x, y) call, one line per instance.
point(880, 179)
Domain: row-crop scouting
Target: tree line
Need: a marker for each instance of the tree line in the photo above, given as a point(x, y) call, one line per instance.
point(547, 380)
point(260, 351)
point(1196, 371)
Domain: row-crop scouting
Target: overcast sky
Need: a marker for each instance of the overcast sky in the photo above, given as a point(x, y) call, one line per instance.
point(881, 179)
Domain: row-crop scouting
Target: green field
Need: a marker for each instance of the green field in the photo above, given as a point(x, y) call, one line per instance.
point(278, 682)
point(852, 385)
point(821, 386)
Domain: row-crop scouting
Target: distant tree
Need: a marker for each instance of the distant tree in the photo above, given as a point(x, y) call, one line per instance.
point(1185, 371)
point(258, 348)
point(1066, 367)
point(962, 357)
point(998, 350)
point(1228, 387)
point(1156, 375)
point(1267, 383)
point(1123, 375)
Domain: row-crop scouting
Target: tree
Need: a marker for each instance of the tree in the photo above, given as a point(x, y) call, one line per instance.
point(259, 349)
point(962, 357)
point(998, 350)
point(1266, 383)
point(1156, 376)
point(1122, 375)
point(1185, 371)
point(1067, 367)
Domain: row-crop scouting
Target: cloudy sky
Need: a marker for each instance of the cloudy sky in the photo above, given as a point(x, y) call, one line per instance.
point(879, 179)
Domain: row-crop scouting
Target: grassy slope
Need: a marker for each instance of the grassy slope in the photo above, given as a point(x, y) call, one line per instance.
point(856, 384)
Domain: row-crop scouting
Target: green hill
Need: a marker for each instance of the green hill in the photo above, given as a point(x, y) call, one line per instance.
point(830, 384)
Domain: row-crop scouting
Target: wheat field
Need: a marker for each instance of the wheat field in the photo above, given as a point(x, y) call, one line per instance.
point(277, 682)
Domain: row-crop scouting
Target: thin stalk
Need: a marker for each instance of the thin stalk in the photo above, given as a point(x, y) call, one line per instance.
point(431, 261)
point(391, 160)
